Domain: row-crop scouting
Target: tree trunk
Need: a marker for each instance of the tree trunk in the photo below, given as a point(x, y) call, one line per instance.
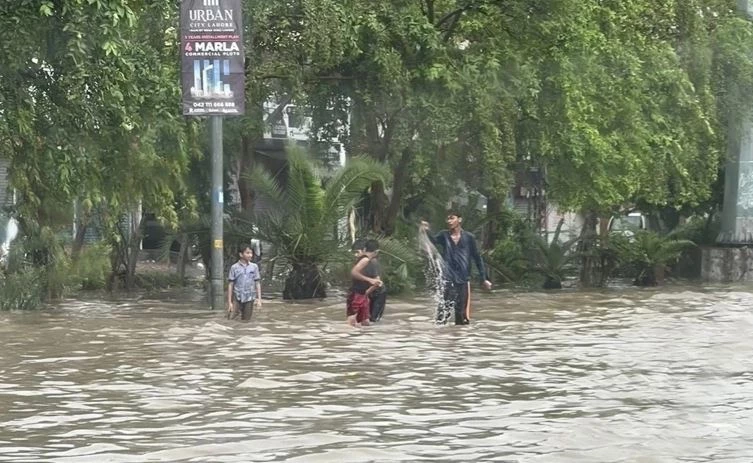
point(182, 257)
point(651, 276)
point(133, 248)
point(377, 208)
point(398, 188)
point(78, 240)
point(371, 133)
point(660, 271)
point(112, 279)
point(590, 270)
point(604, 225)
point(491, 229)
point(245, 165)
point(82, 223)
point(133, 257)
point(304, 282)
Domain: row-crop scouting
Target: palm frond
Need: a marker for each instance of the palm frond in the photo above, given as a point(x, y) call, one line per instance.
point(304, 215)
point(348, 184)
point(304, 187)
point(551, 259)
point(399, 250)
point(267, 185)
point(505, 215)
point(648, 248)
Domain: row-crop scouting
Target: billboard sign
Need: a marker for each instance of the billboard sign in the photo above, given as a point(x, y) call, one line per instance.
point(211, 44)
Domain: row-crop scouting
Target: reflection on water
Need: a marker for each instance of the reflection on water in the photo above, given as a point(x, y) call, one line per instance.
point(621, 376)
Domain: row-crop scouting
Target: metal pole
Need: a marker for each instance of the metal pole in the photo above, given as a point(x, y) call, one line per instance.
point(218, 290)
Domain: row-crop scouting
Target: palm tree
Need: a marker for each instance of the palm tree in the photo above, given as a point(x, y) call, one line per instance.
point(651, 253)
point(303, 214)
point(552, 259)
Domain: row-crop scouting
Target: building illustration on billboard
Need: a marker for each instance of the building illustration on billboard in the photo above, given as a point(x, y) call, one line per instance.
point(212, 65)
point(208, 79)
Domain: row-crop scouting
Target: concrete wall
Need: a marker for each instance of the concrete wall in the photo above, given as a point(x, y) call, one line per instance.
point(727, 264)
point(571, 227)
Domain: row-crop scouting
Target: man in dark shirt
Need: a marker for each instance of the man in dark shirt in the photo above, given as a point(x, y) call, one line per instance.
point(458, 247)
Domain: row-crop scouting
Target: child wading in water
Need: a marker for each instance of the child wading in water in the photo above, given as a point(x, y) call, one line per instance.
point(364, 283)
point(244, 287)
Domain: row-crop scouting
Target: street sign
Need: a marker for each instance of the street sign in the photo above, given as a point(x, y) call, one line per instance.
point(212, 70)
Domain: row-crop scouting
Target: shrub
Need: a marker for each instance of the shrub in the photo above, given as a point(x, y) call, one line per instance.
point(508, 260)
point(21, 290)
point(650, 254)
point(92, 267)
point(552, 260)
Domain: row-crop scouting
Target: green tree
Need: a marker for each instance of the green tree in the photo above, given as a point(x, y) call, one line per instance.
point(422, 101)
point(633, 107)
point(81, 120)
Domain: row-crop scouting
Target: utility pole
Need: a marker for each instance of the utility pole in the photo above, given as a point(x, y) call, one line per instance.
point(737, 210)
point(218, 270)
point(213, 83)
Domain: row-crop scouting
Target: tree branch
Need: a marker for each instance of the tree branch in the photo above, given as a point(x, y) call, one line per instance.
point(453, 15)
point(279, 109)
point(448, 33)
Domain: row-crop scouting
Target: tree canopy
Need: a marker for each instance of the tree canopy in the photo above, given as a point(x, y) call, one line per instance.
point(616, 101)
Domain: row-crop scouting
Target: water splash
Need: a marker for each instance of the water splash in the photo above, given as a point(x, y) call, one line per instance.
point(434, 270)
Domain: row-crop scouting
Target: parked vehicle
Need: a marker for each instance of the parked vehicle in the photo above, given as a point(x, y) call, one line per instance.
point(628, 224)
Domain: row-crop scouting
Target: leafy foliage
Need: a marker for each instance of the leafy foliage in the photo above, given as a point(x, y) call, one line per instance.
point(303, 214)
point(20, 290)
point(616, 102)
point(400, 264)
point(92, 267)
point(301, 222)
point(508, 259)
point(650, 253)
point(552, 259)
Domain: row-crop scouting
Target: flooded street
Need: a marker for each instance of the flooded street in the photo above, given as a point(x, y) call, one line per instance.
point(617, 376)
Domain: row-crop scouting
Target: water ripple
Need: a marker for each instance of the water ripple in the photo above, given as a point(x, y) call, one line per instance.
point(621, 376)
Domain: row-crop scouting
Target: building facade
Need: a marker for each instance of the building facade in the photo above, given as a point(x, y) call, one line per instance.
point(6, 195)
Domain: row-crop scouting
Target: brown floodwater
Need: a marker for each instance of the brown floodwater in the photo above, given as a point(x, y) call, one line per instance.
point(622, 375)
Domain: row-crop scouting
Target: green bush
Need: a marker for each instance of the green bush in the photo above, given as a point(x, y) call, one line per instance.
point(649, 254)
point(21, 290)
point(92, 267)
point(552, 260)
point(39, 269)
point(397, 279)
point(42, 255)
point(508, 260)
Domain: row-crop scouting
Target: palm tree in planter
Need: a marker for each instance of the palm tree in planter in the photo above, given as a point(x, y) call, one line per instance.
point(302, 218)
point(650, 253)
